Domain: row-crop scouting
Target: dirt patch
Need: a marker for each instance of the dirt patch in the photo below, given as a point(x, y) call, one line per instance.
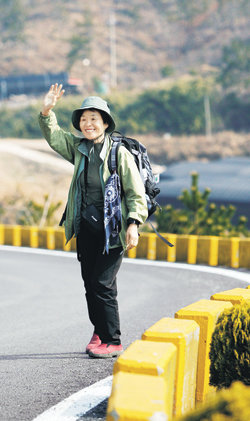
point(24, 179)
point(168, 149)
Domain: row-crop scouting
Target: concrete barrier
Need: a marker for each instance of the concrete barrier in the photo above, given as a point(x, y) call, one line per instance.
point(213, 251)
point(235, 296)
point(205, 313)
point(150, 358)
point(137, 393)
point(184, 334)
point(138, 397)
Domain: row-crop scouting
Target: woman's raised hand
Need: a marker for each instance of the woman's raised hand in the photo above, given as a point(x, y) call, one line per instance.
point(51, 98)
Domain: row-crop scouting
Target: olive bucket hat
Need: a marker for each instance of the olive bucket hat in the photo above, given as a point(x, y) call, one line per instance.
point(98, 104)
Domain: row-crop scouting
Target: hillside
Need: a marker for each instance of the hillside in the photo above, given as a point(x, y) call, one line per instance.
point(150, 35)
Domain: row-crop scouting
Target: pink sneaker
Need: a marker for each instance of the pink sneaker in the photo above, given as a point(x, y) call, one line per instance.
point(106, 351)
point(94, 342)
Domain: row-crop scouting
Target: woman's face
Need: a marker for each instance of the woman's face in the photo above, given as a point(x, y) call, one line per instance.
point(92, 125)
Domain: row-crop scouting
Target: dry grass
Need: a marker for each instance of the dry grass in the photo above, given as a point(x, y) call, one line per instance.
point(146, 39)
point(23, 180)
point(166, 150)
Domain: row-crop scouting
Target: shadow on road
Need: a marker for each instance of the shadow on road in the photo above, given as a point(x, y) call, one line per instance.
point(99, 412)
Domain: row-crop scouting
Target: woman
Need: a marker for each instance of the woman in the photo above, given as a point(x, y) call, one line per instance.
point(89, 155)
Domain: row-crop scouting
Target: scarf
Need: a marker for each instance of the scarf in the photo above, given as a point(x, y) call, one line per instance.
point(112, 210)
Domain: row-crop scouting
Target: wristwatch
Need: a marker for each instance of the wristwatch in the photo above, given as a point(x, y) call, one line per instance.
point(132, 221)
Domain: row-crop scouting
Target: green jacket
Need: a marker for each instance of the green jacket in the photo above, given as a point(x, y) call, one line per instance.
point(73, 149)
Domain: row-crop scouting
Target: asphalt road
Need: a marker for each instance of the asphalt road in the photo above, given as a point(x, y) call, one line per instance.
point(44, 326)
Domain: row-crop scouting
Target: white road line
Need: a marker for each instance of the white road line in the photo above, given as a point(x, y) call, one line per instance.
point(79, 403)
point(229, 273)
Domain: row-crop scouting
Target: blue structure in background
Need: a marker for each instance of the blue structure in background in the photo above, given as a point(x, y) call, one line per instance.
point(228, 179)
point(35, 84)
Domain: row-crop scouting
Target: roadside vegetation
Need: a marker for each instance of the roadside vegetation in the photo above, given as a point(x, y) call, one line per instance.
point(199, 217)
point(229, 369)
point(176, 109)
point(21, 211)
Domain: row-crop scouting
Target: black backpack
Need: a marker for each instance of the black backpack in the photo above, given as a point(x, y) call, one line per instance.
point(140, 155)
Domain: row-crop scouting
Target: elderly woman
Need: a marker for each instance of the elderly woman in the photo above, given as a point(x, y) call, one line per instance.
point(100, 258)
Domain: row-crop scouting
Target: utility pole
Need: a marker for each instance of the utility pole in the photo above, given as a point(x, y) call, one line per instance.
point(112, 39)
point(207, 116)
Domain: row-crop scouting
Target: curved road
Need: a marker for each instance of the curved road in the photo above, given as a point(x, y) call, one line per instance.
point(44, 326)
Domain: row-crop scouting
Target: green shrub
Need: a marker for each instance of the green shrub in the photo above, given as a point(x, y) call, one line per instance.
point(230, 347)
point(231, 404)
point(175, 110)
point(199, 217)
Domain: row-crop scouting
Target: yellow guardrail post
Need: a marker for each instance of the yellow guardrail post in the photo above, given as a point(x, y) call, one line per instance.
point(151, 252)
point(235, 252)
point(213, 251)
point(50, 238)
point(244, 253)
point(66, 247)
point(192, 249)
point(171, 251)
point(16, 236)
point(132, 253)
point(34, 237)
point(1, 234)
point(60, 240)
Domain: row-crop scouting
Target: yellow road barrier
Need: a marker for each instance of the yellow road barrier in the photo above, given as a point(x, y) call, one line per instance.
point(192, 249)
point(205, 313)
point(151, 251)
point(155, 359)
point(132, 253)
point(235, 296)
point(235, 253)
point(29, 237)
point(2, 234)
point(138, 397)
point(184, 334)
point(213, 251)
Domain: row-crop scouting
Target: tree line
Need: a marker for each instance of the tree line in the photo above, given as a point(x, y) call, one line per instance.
point(178, 110)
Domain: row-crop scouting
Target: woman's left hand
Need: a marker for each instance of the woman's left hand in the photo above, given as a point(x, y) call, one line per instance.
point(132, 236)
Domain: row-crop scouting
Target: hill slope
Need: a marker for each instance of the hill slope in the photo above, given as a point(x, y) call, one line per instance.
point(150, 34)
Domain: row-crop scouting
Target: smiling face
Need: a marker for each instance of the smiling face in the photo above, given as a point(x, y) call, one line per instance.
point(92, 125)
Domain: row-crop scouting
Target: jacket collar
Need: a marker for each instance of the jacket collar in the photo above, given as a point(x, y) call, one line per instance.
point(83, 147)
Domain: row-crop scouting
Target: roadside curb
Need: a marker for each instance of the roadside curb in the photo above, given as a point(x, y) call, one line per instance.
point(193, 249)
point(145, 390)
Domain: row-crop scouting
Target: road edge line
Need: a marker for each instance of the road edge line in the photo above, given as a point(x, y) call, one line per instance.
point(76, 405)
point(230, 273)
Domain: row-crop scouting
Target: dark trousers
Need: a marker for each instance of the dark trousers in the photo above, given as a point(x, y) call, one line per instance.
point(99, 275)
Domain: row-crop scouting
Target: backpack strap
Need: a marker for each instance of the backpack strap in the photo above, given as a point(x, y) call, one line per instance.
point(160, 236)
point(112, 159)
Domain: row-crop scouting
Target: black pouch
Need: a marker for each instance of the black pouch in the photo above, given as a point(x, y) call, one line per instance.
point(94, 217)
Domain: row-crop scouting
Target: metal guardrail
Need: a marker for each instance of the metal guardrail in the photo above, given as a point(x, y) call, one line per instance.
point(213, 251)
